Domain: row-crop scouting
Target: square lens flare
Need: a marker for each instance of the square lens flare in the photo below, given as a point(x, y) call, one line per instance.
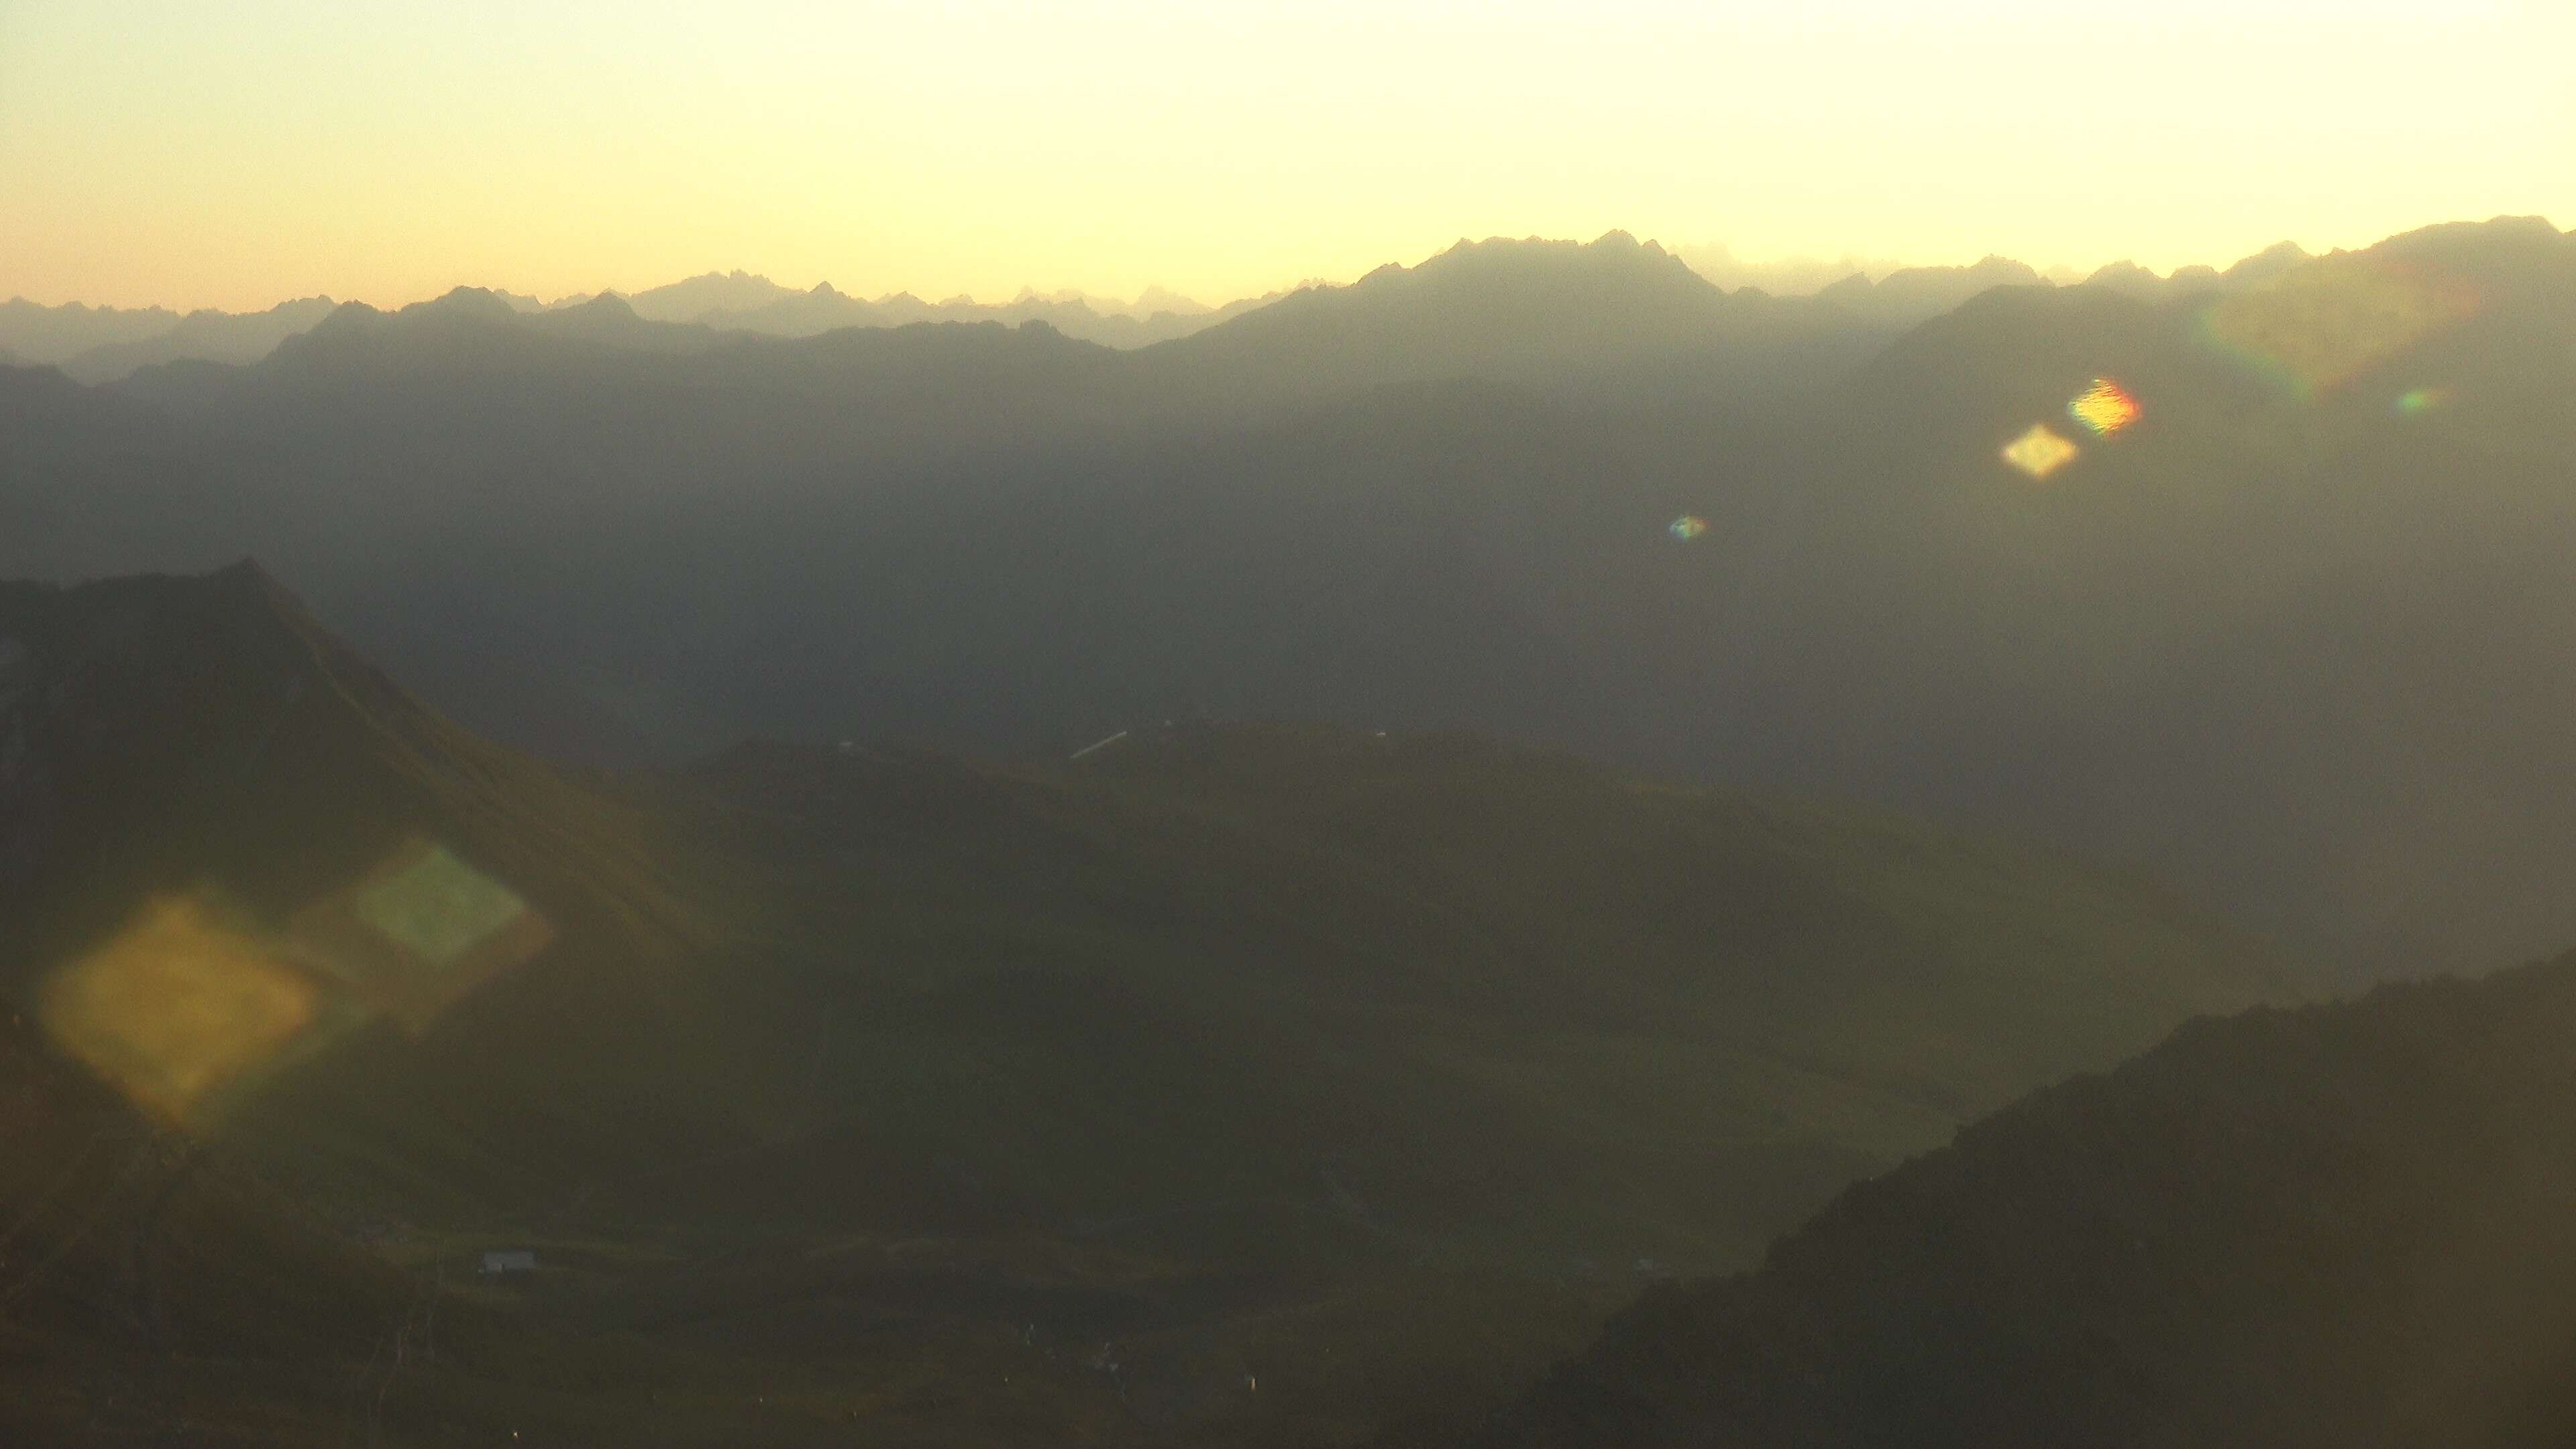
point(175, 1007)
point(2040, 451)
point(421, 931)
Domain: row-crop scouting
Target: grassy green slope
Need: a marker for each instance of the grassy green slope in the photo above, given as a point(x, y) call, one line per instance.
point(1476, 999)
point(1369, 1069)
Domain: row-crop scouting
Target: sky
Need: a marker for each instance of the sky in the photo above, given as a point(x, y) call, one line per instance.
point(236, 154)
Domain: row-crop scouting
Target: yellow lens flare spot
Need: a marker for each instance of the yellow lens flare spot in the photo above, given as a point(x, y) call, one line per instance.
point(2040, 451)
point(2316, 326)
point(418, 933)
point(1688, 527)
point(175, 1007)
point(2104, 408)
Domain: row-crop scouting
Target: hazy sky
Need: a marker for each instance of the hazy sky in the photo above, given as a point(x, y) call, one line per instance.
point(235, 152)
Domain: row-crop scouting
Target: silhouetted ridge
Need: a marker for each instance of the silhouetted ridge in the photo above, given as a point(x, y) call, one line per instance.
point(347, 317)
point(2317, 1227)
point(480, 303)
point(607, 304)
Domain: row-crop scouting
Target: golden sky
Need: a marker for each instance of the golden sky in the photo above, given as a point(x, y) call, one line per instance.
point(235, 152)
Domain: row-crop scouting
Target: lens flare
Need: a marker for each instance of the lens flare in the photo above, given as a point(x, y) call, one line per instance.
point(2316, 326)
point(1688, 527)
point(2422, 400)
point(2040, 451)
point(2104, 408)
point(177, 1007)
point(419, 932)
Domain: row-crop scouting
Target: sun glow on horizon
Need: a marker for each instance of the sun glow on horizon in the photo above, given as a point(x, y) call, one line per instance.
point(154, 152)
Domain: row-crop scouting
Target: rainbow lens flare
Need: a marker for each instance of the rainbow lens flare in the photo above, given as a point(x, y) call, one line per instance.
point(2422, 400)
point(176, 1007)
point(2314, 327)
point(1688, 527)
point(2040, 451)
point(2104, 408)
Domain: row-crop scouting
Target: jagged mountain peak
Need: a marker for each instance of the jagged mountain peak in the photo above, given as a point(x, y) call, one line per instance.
point(478, 303)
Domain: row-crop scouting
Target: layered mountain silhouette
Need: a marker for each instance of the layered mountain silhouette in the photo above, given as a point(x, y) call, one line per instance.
point(692, 299)
point(1613, 317)
point(205, 336)
point(1910, 295)
point(1217, 1043)
point(2293, 638)
point(1891, 292)
point(2133, 280)
point(1103, 1042)
point(2337, 1225)
point(1091, 319)
point(106, 344)
point(1793, 277)
point(40, 334)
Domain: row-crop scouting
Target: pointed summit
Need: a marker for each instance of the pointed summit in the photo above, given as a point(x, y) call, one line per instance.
point(2270, 262)
point(1158, 298)
point(477, 302)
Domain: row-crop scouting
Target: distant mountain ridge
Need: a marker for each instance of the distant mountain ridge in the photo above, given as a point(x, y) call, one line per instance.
point(40, 334)
point(94, 345)
point(1790, 277)
point(105, 344)
point(1906, 296)
point(825, 308)
point(205, 336)
point(1613, 317)
point(1449, 495)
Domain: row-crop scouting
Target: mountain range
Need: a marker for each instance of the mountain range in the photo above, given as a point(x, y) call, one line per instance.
point(107, 344)
point(964, 884)
point(2293, 637)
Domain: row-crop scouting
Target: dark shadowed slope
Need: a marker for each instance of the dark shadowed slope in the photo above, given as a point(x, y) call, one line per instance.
point(193, 761)
point(1232, 1044)
point(202, 738)
point(149, 1293)
point(2329, 1226)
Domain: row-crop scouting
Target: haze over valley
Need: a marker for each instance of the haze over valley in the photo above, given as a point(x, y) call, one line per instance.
point(1317, 834)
